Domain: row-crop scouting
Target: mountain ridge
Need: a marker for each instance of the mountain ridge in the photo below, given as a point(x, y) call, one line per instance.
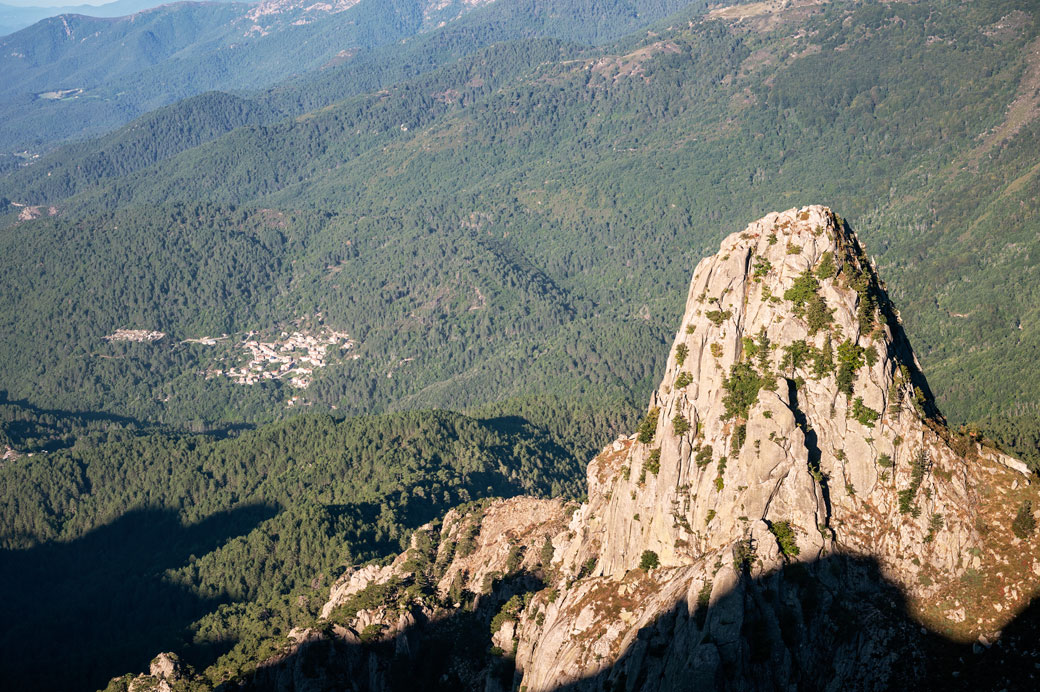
point(121, 68)
point(14, 17)
point(74, 75)
point(650, 172)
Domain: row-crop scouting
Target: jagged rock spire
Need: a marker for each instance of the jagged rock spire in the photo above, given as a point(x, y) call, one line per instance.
point(792, 423)
point(790, 395)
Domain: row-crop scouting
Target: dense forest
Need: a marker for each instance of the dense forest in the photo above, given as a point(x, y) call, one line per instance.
point(504, 214)
point(75, 76)
point(446, 221)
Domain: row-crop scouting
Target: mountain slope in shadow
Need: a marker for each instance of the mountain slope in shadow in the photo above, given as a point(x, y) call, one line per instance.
point(832, 624)
point(75, 614)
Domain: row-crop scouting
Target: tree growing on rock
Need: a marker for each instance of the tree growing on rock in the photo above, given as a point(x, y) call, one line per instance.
point(1024, 524)
point(648, 560)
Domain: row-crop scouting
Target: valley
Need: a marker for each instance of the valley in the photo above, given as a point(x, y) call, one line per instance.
point(787, 490)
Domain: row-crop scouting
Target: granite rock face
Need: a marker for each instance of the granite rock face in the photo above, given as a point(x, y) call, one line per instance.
point(835, 415)
point(792, 433)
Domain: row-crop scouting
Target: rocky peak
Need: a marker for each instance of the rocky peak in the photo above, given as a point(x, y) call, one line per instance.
point(792, 424)
point(790, 397)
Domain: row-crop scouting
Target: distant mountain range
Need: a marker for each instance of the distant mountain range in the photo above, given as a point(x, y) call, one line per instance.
point(18, 16)
point(71, 76)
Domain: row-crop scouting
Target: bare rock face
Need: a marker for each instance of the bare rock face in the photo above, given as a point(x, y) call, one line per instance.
point(792, 427)
point(473, 547)
point(167, 666)
point(423, 619)
point(792, 396)
point(165, 673)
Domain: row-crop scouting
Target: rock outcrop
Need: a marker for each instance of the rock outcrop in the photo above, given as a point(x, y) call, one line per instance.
point(166, 673)
point(792, 427)
point(424, 617)
point(792, 512)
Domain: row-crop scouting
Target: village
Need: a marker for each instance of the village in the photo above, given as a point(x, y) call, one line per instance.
point(139, 335)
point(292, 357)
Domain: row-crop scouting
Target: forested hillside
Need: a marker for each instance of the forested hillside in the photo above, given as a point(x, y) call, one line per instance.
point(73, 76)
point(18, 15)
point(529, 210)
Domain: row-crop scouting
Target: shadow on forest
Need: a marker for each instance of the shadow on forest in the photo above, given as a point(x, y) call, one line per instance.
point(518, 425)
point(73, 615)
point(835, 624)
point(547, 442)
point(37, 422)
point(99, 416)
